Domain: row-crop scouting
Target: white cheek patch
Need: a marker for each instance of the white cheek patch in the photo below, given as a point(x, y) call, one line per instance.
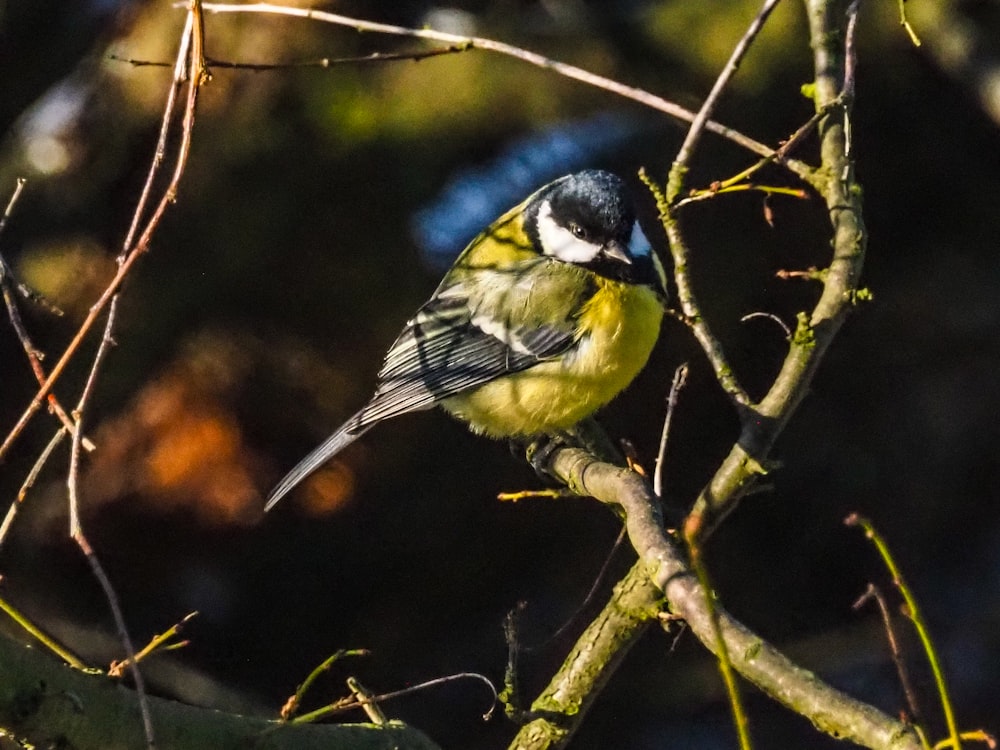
point(560, 243)
point(638, 245)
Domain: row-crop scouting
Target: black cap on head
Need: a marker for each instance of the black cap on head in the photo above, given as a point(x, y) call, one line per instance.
point(595, 201)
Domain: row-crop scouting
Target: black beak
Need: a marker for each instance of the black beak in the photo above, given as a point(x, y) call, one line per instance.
point(615, 250)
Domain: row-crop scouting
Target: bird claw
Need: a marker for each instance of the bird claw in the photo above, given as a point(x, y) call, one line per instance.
point(539, 452)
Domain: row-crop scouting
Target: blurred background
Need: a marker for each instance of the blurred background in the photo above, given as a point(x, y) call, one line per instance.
point(318, 211)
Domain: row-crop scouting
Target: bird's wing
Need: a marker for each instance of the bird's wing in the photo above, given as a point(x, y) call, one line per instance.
point(446, 348)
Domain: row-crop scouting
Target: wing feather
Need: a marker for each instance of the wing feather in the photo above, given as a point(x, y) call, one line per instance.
point(445, 349)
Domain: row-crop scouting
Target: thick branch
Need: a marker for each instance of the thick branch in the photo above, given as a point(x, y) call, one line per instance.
point(661, 560)
point(597, 653)
point(49, 704)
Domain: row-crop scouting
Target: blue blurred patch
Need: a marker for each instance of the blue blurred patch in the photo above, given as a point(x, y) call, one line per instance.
point(475, 196)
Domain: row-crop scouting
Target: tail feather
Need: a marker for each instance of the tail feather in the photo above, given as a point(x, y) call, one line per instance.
point(330, 447)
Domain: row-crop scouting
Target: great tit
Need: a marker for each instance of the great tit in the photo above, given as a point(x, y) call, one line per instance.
point(545, 317)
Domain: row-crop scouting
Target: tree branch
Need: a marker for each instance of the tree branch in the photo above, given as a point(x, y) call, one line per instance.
point(49, 704)
point(839, 188)
point(665, 568)
point(533, 58)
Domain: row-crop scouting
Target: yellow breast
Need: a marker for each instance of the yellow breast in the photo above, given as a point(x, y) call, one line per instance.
point(619, 326)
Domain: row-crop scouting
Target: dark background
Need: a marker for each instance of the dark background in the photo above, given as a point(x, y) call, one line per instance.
point(293, 256)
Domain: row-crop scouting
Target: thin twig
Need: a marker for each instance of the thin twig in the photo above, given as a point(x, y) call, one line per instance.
point(721, 648)
point(42, 637)
point(109, 594)
point(18, 189)
point(352, 703)
point(815, 330)
point(180, 74)
point(773, 318)
point(130, 252)
point(914, 615)
point(717, 189)
point(323, 62)
point(570, 71)
point(34, 354)
point(7, 275)
point(850, 51)
point(63, 653)
point(587, 600)
point(708, 106)
point(846, 97)
point(695, 320)
point(519, 495)
point(158, 643)
point(873, 593)
point(367, 701)
point(510, 696)
point(28, 482)
point(665, 197)
point(779, 156)
point(292, 704)
point(676, 386)
point(190, 49)
point(911, 32)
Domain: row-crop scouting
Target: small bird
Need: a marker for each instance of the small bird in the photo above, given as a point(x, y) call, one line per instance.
point(546, 316)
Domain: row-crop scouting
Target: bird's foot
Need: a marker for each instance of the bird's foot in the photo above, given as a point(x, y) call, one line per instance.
point(540, 450)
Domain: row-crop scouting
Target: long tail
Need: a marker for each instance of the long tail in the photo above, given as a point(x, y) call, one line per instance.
point(339, 440)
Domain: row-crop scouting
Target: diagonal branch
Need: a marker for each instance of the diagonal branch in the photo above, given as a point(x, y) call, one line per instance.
point(132, 249)
point(838, 186)
point(708, 106)
point(532, 58)
point(663, 569)
point(33, 354)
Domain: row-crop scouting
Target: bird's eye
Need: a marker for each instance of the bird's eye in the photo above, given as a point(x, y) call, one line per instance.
point(577, 231)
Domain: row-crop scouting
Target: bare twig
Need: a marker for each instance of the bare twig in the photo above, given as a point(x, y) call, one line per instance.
point(769, 316)
point(693, 317)
point(292, 704)
point(570, 71)
point(18, 188)
point(779, 156)
point(719, 646)
point(708, 106)
point(35, 355)
point(158, 643)
point(367, 701)
point(873, 593)
point(676, 386)
point(29, 481)
point(323, 62)
point(915, 616)
point(665, 198)
point(587, 600)
point(353, 702)
point(41, 636)
point(6, 276)
point(905, 23)
point(850, 52)
point(815, 330)
point(510, 696)
point(718, 189)
point(190, 66)
point(130, 252)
